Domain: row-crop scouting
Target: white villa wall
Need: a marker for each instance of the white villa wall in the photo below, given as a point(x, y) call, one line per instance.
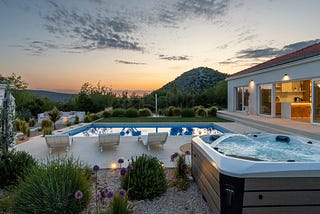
point(64, 117)
point(300, 70)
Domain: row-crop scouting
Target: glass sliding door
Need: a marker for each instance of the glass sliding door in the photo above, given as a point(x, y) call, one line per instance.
point(242, 99)
point(239, 99)
point(316, 101)
point(265, 99)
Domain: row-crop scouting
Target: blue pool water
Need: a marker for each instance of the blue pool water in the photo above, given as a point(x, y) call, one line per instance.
point(144, 129)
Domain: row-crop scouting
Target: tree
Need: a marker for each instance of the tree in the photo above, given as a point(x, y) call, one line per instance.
point(221, 93)
point(16, 82)
point(7, 120)
point(83, 102)
point(54, 116)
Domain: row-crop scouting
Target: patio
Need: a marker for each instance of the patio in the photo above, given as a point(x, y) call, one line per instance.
point(87, 150)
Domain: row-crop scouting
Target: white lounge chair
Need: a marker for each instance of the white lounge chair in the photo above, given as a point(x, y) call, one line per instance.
point(108, 140)
point(153, 138)
point(55, 141)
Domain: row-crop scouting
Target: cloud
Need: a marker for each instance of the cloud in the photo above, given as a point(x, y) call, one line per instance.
point(274, 52)
point(251, 57)
point(37, 47)
point(174, 58)
point(129, 63)
point(299, 45)
point(90, 31)
point(206, 8)
point(224, 46)
point(96, 1)
point(172, 13)
point(258, 53)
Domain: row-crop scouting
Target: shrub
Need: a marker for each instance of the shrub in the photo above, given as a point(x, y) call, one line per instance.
point(169, 111)
point(76, 120)
point(187, 112)
point(107, 114)
point(59, 186)
point(31, 122)
point(163, 112)
point(95, 117)
point(87, 119)
point(28, 132)
point(201, 112)
point(68, 123)
point(23, 127)
point(119, 112)
point(17, 124)
point(119, 203)
point(212, 111)
point(145, 112)
point(46, 131)
point(131, 112)
point(45, 123)
point(146, 179)
point(176, 112)
point(14, 164)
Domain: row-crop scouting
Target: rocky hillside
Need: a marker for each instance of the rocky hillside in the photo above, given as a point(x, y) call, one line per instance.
point(195, 80)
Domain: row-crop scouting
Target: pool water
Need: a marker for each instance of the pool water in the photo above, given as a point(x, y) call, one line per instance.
point(267, 148)
point(136, 130)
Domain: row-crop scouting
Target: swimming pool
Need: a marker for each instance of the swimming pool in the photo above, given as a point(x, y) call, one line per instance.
point(136, 129)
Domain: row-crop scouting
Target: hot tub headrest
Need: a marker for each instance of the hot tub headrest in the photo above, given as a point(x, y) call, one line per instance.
point(214, 137)
point(284, 139)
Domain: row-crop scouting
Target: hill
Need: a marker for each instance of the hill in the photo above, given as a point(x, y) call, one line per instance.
point(195, 80)
point(54, 96)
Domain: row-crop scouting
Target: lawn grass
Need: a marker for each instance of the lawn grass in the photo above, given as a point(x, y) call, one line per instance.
point(160, 119)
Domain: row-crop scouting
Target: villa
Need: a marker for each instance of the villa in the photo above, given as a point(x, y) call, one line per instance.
point(64, 116)
point(285, 87)
point(5, 96)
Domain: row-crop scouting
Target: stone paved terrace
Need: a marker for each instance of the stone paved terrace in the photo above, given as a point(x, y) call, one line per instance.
point(87, 150)
point(272, 125)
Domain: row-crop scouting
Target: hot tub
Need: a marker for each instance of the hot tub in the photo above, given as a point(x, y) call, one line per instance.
point(258, 173)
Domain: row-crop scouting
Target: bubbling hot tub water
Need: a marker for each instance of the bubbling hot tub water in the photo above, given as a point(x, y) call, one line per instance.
point(266, 147)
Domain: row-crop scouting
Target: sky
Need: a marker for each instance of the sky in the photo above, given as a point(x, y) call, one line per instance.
point(59, 45)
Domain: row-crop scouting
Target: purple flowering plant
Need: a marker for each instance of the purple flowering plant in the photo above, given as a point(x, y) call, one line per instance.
point(95, 168)
point(120, 161)
point(78, 195)
point(123, 171)
point(182, 169)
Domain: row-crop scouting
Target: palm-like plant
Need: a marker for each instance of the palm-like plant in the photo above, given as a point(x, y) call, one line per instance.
point(54, 116)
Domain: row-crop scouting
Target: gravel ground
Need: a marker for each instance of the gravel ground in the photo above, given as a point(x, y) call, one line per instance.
point(172, 201)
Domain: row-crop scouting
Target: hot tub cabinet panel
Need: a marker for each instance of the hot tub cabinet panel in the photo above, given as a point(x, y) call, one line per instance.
point(211, 182)
point(208, 179)
point(228, 193)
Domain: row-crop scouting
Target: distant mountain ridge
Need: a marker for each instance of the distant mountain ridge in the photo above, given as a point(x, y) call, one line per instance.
point(195, 80)
point(55, 96)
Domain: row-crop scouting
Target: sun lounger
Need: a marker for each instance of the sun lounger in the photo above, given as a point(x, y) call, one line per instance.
point(55, 141)
point(109, 139)
point(153, 138)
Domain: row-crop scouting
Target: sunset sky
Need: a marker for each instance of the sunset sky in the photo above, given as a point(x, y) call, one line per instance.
point(142, 44)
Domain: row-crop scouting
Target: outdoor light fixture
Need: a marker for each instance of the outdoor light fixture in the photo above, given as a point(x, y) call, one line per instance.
point(113, 166)
point(251, 85)
point(285, 77)
point(162, 164)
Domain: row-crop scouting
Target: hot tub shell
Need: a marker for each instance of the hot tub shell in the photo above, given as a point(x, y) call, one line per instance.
point(233, 185)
